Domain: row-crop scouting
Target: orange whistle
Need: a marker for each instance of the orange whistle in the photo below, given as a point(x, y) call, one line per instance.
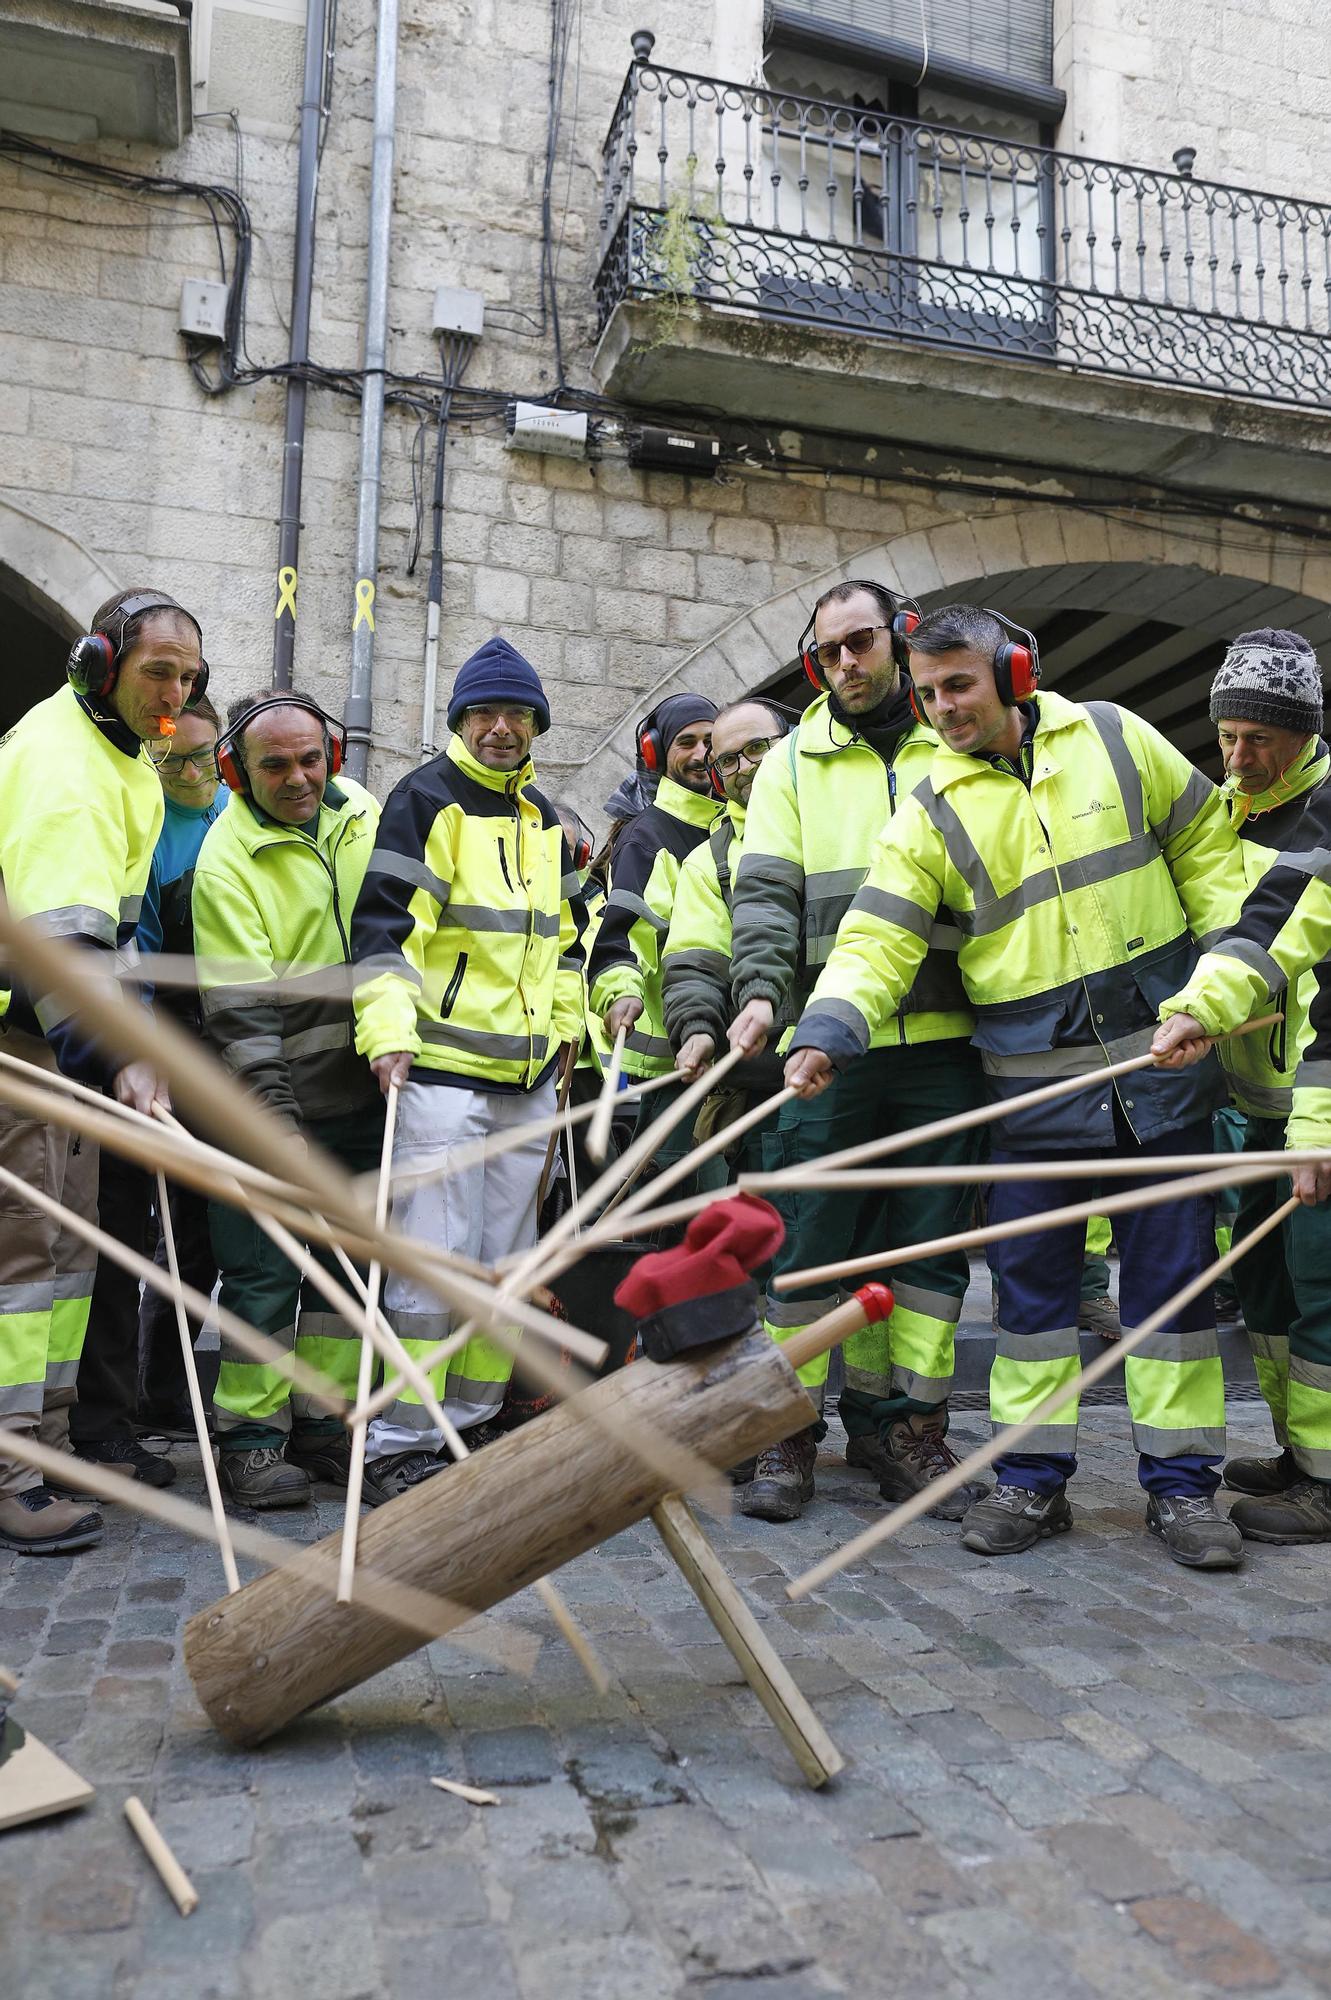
point(165, 726)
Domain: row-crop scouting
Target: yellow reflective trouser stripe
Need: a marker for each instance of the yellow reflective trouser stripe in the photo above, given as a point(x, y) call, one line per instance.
point(25, 1341)
point(69, 1324)
point(1099, 1236)
point(1177, 1407)
point(910, 1353)
point(814, 1373)
point(1016, 1390)
point(1270, 1355)
point(1310, 1425)
point(257, 1393)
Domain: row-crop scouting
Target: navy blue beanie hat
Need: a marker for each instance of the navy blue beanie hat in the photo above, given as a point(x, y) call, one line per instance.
point(497, 671)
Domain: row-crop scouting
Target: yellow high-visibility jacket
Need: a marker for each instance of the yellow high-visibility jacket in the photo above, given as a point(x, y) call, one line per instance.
point(819, 801)
point(1078, 885)
point(273, 903)
point(1280, 938)
point(80, 811)
point(1260, 1068)
point(626, 958)
point(467, 930)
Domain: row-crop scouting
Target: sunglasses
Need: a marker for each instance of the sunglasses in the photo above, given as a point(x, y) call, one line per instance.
point(857, 642)
point(752, 753)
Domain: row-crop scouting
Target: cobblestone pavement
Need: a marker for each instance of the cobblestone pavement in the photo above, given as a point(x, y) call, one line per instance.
point(1081, 1772)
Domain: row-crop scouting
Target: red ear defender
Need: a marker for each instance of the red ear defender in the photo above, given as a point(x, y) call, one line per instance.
point(651, 750)
point(335, 747)
point(715, 777)
point(901, 627)
point(1016, 673)
point(229, 767)
point(812, 668)
point(915, 708)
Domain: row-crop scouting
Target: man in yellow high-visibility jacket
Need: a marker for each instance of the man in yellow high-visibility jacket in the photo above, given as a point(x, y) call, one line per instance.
point(80, 812)
point(1080, 855)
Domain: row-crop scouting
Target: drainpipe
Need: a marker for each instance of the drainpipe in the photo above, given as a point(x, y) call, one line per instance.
point(302, 283)
point(360, 696)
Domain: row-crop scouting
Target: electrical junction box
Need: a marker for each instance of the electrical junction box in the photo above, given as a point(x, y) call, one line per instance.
point(203, 308)
point(535, 427)
point(673, 451)
point(457, 310)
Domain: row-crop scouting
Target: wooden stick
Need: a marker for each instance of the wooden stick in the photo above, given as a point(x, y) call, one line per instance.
point(1012, 1435)
point(178, 1885)
point(257, 1345)
point(1023, 1225)
point(8, 1683)
point(561, 1101)
point(195, 1393)
point(598, 1132)
point(984, 1172)
point(356, 1474)
point(763, 1669)
point(472, 1795)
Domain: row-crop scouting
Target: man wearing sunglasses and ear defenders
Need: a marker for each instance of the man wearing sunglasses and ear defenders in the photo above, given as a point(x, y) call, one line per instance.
point(1081, 856)
point(80, 812)
point(818, 803)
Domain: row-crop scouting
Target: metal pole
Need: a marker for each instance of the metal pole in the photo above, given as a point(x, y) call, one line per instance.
point(360, 695)
point(302, 283)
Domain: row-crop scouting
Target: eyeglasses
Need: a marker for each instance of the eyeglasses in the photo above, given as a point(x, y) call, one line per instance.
point(829, 653)
point(204, 762)
point(523, 718)
point(729, 761)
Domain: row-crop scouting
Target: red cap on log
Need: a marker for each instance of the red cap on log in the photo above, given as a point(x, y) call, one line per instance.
point(877, 1301)
point(721, 1246)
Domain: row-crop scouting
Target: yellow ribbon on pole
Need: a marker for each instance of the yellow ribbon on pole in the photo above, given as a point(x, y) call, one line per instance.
point(286, 593)
point(364, 604)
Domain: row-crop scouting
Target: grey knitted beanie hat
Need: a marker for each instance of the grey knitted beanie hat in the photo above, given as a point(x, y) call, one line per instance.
point(1271, 677)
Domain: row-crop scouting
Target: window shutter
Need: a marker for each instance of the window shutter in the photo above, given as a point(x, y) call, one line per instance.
point(1006, 39)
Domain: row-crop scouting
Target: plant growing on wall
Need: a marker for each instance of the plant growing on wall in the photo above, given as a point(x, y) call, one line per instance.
point(680, 250)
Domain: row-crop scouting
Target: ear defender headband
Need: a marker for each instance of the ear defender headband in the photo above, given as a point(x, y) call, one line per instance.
point(1016, 667)
point(230, 763)
point(903, 616)
point(94, 659)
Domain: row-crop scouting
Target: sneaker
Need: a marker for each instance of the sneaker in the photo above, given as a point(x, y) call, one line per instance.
point(37, 1524)
point(1013, 1518)
point(1263, 1476)
point(1100, 1315)
point(914, 1452)
point(1193, 1532)
point(176, 1426)
point(127, 1456)
point(389, 1478)
point(782, 1483)
point(1302, 1513)
point(322, 1457)
point(263, 1477)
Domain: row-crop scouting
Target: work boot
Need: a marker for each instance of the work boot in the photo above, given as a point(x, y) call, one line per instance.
point(914, 1452)
point(1263, 1476)
point(122, 1455)
point(1193, 1532)
point(320, 1456)
point(389, 1478)
point(262, 1477)
point(1302, 1513)
point(1100, 1315)
point(1013, 1518)
point(175, 1425)
point(37, 1524)
point(782, 1482)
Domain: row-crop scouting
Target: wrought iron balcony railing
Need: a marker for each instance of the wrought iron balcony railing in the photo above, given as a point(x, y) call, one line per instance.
point(802, 210)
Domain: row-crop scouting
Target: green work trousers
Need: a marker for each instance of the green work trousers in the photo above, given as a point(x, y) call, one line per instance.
point(905, 1364)
point(254, 1403)
point(1284, 1287)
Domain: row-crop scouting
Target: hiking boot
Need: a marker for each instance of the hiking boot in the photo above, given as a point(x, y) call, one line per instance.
point(1013, 1518)
point(1263, 1476)
point(914, 1452)
point(389, 1478)
point(741, 1474)
point(1193, 1532)
point(37, 1524)
point(1302, 1513)
point(126, 1456)
point(322, 1457)
point(782, 1482)
point(176, 1426)
point(262, 1477)
point(1100, 1315)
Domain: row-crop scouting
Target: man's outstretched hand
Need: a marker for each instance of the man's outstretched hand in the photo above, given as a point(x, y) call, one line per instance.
point(808, 1072)
point(697, 1052)
point(1180, 1041)
point(750, 1028)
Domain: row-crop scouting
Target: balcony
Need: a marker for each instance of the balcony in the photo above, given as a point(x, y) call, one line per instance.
point(79, 70)
point(921, 283)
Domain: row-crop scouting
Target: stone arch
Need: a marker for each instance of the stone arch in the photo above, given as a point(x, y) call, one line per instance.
point(1048, 546)
point(50, 585)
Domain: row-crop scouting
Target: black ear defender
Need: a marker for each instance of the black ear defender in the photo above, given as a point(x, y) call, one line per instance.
point(230, 763)
point(904, 615)
point(94, 659)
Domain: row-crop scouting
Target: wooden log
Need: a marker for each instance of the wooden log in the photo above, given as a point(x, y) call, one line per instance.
point(486, 1528)
point(763, 1669)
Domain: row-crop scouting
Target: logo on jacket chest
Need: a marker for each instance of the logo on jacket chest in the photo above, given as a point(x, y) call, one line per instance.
point(1098, 806)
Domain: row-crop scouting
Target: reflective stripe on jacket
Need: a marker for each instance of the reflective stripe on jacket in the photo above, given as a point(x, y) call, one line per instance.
point(817, 806)
point(271, 902)
point(79, 819)
point(1074, 897)
point(626, 958)
point(467, 932)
